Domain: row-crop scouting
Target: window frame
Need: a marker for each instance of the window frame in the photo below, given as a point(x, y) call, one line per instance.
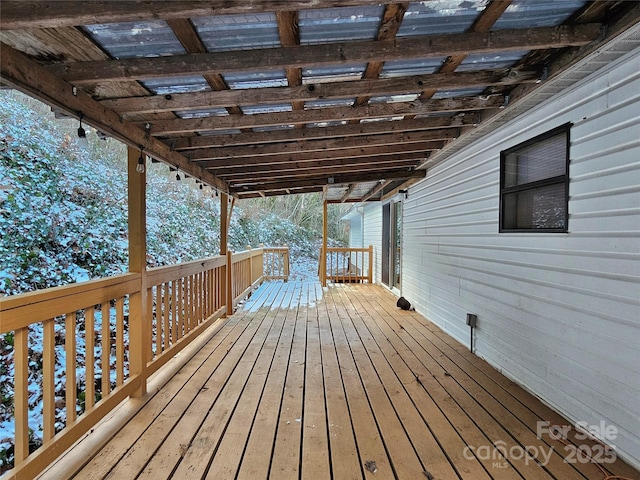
point(555, 180)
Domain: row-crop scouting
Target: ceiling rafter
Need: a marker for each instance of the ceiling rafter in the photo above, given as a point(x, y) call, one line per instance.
point(169, 127)
point(328, 147)
point(391, 21)
point(335, 180)
point(298, 159)
point(327, 54)
point(457, 122)
point(18, 14)
point(359, 88)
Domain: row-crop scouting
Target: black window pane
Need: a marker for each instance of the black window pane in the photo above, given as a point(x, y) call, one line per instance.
point(539, 208)
point(544, 159)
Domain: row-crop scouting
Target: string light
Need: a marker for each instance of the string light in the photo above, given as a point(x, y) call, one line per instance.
point(140, 166)
point(82, 134)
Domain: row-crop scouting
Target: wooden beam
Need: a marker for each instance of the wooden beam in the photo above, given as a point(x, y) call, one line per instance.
point(301, 158)
point(192, 43)
point(289, 33)
point(255, 152)
point(327, 54)
point(338, 179)
point(482, 23)
point(391, 21)
point(262, 172)
point(171, 127)
point(18, 14)
point(26, 75)
point(372, 128)
point(275, 95)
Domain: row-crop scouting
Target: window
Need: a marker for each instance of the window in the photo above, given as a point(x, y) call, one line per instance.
point(534, 184)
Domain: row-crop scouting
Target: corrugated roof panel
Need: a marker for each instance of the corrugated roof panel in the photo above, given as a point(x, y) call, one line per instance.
point(238, 32)
point(491, 61)
point(263, 79)
point(331, 102)
point(440, 16)
point(408, 97)
point(403, 68)
point(541, 13)
point(273, 108)
point(333, 123)
point(463, 92)
point(382, 119)
point(338, 73)
point(209, 112)
point(211, 133)
point(136, 39)
point(273, 128)
point(164, 86)
point(329, 25)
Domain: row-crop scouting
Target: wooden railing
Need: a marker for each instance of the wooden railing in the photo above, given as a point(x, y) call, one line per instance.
point(348, 265)
point(113, 334)
point(276, 263)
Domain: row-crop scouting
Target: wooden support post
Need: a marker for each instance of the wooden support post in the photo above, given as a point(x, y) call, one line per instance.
point(139, 317)
point(323, 256)
point(224, 233)
point(224, 223)
point(229, 289)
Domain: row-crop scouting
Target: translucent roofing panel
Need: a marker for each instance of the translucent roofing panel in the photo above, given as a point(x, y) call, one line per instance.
point(336, 73)
point(238, 32)
point(403, 68)
point(541, 13)
point(273, 128)
point(255, 109)
point(211, 133)
point(382, 119)
point(164, 86)
point(466, 92)
point(210, 112)
point(333, 123)
point(332, 102)
point(269, 78)
point(436, 114)
point(337, 24)
point(436, 17)
point(409, 97)
point(490, 61)
point(136, 39)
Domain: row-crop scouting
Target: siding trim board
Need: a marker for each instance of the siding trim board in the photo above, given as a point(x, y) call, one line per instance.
point(558, 313)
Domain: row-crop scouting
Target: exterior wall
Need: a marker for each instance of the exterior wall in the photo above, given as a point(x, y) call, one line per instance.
point(558, 313)
point(372, 235)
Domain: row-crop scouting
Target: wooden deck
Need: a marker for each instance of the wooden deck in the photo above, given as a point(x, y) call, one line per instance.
point(331, 384)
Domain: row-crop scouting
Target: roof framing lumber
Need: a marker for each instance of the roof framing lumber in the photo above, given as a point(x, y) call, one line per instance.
point(329, 146)
point(18, 14)
point(304, 158)
point(327, 54)
point(334, 180)
point(357, 88)
point(24, 74)
point(374, 128)
point(170, 127)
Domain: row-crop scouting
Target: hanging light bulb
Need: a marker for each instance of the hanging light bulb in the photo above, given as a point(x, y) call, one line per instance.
point(82, 134)
point(141, 162)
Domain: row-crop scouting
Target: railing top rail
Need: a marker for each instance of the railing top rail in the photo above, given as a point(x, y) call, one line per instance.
point(169, 273)
point(19, 311)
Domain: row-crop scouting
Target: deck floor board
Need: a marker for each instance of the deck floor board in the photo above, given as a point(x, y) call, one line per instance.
point(338, 384)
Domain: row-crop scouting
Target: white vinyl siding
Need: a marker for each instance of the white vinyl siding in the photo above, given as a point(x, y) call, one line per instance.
point(557, 312)
point(372, 235)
